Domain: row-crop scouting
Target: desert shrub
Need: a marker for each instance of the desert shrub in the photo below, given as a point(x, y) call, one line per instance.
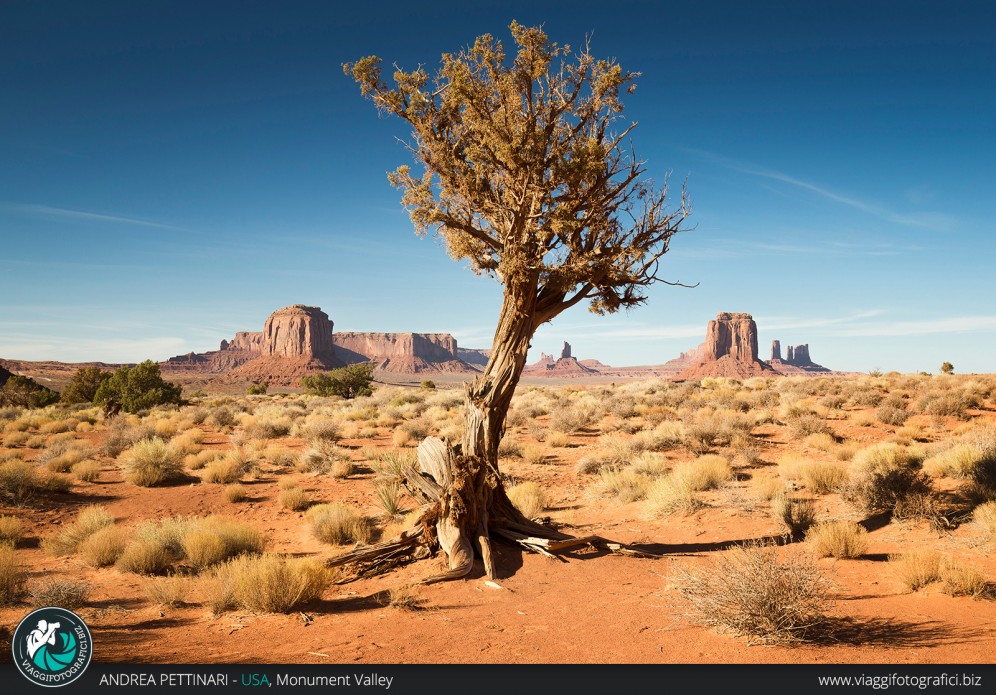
point(890, 414)
point(84, 385)
point(23, 392)
point(982, 474)
point(947, 403)
point(821, 477)
point(86, 471)
point(627, 485)
point(121, 435)
point(18, 481)
point(294, 499)
point(326, 428)
point(752, 592)
point(138, 388)
point(89, 520)
point(324, 457)
point(337, 524)
point(196, 462)
point(557, 440)
point(11, 530)
point(796, 516)
point(55, 591)
point(15, 439)
point(669, 495)
point(807, 424)
point(222, 417)
point(351, 381)
point(575, 417)
point(508, 447)
point(917, 569)
point(528, 498)
point(839, 539)
point(704, 473)
point(985, 518)
point(428, 385)
point(884, 475)
point(267, 583)
point(151, 462)
point(533, 454)
point(258, 389)
point(144, 556)
point(167, 591)
point(955, 462)
point(405, 598)
point(11, 575)
point(105, 546)
point(651, 464)
point(962, 580)
point(236, 493)
point(231, 467)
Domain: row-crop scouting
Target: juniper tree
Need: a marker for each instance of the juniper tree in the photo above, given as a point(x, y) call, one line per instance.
point(527, 174)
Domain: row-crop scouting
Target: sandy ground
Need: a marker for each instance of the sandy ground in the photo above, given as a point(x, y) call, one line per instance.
point(591, 608)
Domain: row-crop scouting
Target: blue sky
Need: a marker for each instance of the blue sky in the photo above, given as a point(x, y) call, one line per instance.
point(171, 172)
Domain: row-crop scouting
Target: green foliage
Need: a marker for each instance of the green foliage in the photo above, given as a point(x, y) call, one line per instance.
point(947, 368)
point(347, 382)
point(258, 389)
point(137, 388)
point(85, 384)
point(428, 384)
point(22, 392)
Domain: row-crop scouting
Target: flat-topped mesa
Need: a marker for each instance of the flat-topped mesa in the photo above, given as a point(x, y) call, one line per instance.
point(730, 350)
point(402, 352)
point(298, 331)
point(776, 350)
point(733, 334)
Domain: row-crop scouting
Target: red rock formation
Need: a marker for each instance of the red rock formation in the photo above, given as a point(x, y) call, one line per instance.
point(406, 353)
point(566, 351)
point(298, 331)
point(730, 350)
point(797, 361)
point(776, 350)
point(564, 367)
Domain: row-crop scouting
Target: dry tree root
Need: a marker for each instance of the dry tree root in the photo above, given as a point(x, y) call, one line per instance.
point(465, 505)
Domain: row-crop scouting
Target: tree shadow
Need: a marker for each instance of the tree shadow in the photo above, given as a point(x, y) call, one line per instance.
point(696, 548)
point(876, 521)
point(123, 642)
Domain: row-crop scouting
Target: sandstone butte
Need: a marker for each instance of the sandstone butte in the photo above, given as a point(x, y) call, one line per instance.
point(730, 350)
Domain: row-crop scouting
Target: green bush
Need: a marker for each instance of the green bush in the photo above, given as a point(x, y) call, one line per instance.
point(137, 388)
point(258, 389)
point(347, 382)
point(84, 385)
point(22, 392)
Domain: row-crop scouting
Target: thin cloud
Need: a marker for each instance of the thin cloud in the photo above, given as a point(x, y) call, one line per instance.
point(83, 216)
point(953, 324)
point(920, 220)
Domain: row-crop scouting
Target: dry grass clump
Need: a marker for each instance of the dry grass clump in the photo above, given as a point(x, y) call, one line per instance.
point(508, 447)
point(625, 484)
point(104, 547)
point(754, 592)
point(236, 493)
point(985, 518)
point(11, 530)
point(214, 539)
point(575, 417)
point(954, 462)
point(916, 569)
point(170, 592)
point(528, 498)
point(884, 476)
point(821, 441)
point(188, 443)
point(557, 440)
point(669, 495)
point(196, 462)
point(144, 556)
point(808, 424)
point(20, 482)
point(89, 520)
point(231, 467)
point(151, 462)
point(123, 433)
point(267, 584)
point(11, 575)
point(324, 457)
point(55, 591)
point(704, 473)
point(795, 515)
point(294, 498)
point(963, 580)
point(337, 524)
point(263, 427)
point(821, 477)
point(328, 429)
point(86, 471)
point(839, 539)
point(534, 455)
